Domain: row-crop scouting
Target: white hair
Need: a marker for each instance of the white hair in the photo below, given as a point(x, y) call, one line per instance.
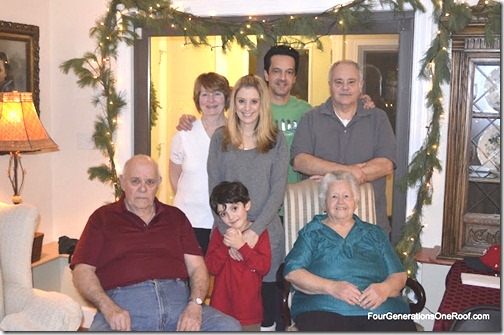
point(331, 177)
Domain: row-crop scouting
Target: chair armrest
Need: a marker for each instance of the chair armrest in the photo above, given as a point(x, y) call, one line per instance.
point(285, 286)
point(45, 311)
point(419, 291)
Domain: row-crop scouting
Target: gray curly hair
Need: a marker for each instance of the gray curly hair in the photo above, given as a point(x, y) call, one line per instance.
point(331, 177)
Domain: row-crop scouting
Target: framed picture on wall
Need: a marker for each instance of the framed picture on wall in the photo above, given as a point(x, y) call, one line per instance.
point(19, 59)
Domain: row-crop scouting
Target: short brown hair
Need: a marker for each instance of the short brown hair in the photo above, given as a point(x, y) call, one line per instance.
point(212, 82)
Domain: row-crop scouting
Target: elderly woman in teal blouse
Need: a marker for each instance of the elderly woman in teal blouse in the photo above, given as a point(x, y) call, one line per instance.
point(345, 272)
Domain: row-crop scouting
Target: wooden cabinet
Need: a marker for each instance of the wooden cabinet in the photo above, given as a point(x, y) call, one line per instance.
point(472, 206)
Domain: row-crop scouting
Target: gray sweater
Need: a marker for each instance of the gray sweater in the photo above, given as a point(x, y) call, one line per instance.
point(265, 176)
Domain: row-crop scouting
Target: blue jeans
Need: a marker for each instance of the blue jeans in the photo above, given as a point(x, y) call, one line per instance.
point(155, 305)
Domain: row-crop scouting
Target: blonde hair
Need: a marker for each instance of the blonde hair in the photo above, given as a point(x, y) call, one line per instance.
point(265, 132)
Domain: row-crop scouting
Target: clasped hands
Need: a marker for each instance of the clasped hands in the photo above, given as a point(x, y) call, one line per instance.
point(235, 239)
point(371, 298)
point(355, 169)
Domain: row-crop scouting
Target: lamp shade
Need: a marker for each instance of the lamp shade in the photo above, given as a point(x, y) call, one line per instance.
point(20, 127)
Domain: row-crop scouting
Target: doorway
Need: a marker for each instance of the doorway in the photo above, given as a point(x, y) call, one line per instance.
point(341, 46)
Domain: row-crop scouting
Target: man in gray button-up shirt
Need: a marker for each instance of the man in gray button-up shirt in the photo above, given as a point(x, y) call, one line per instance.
point(341, 135)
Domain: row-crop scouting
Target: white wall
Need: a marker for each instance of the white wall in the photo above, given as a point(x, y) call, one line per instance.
point(37, 166)
point(57, 182)
point(420, 118)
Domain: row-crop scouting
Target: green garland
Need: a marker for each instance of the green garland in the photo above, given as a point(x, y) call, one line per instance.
point(154, 105)
point(95, 69)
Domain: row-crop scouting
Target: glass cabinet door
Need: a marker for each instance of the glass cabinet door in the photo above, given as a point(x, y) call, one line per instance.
point(484, 170)
point(471, 220)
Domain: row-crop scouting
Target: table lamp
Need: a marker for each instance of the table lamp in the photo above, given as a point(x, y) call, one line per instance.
point(20, 131)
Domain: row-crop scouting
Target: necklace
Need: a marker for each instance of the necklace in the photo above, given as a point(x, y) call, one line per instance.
point(243, 147)
point(248, 142)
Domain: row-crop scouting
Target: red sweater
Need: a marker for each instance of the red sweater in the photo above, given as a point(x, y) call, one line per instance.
point(237, 285)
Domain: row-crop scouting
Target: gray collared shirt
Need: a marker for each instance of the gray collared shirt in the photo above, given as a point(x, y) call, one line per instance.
point(369, 135)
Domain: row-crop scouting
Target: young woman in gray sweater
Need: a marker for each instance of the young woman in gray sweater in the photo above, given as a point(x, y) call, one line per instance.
point(251, 150)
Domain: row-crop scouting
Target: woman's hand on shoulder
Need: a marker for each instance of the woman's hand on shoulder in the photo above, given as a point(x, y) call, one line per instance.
point(368, 102)
point(345, 291)
point(375, 295)
point(250, 237)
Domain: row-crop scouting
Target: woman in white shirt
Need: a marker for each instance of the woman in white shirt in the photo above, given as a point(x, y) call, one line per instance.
point(189, 153)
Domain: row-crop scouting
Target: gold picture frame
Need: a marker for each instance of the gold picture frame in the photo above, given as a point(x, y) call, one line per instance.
point(19, 44)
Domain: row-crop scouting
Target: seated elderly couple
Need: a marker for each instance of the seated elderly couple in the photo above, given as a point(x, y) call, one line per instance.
point(138, 261)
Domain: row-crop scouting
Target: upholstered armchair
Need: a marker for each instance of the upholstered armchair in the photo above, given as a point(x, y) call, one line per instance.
point(22, 307)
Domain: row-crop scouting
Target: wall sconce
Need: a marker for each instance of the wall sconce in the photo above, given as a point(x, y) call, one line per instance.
point(20, 131)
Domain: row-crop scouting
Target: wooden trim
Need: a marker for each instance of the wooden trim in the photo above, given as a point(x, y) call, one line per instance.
point(430, 256)
point(386, 22)
point(141, 114)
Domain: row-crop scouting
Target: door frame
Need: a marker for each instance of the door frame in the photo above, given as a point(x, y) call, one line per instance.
point(383, 23)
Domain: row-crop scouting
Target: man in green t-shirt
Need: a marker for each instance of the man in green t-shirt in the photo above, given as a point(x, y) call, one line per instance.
point(281, 64)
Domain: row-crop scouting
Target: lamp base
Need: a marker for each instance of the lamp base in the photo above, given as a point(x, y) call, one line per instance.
point(17, 185)
point(16, 199)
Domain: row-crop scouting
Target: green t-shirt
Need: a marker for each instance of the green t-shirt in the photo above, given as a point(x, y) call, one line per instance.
point(286, 117)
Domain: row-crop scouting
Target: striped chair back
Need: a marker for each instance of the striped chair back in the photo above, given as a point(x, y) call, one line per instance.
point(301, 203)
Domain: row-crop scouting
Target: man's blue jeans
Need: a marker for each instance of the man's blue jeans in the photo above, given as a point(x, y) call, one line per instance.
point(155, 305)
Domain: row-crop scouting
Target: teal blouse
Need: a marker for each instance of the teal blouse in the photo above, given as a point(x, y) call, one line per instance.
point(364, 257)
